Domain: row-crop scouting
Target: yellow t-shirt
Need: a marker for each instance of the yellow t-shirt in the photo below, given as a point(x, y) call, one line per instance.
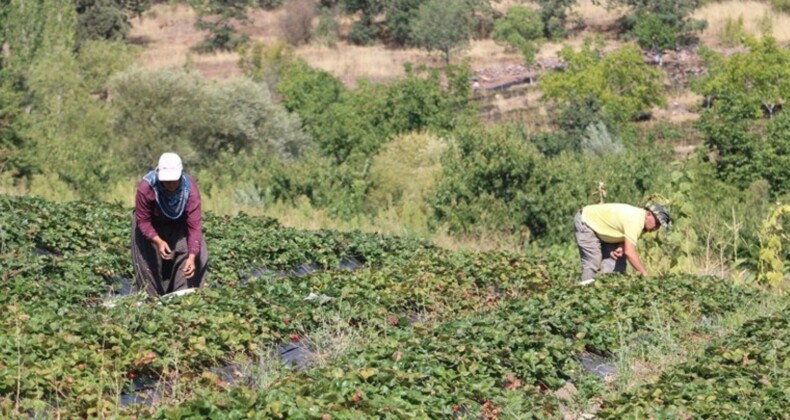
point(614, 223)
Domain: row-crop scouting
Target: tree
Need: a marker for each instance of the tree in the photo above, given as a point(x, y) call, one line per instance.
point(364, 30)
point(554, 14)
point(443, 25)
point(624, 86)
point(661, 24)
point(215, 16)
point(29, 32)
point(521, 29)
point(751, 84)
point(103, 20)
point(400, 14)
point(741, 91)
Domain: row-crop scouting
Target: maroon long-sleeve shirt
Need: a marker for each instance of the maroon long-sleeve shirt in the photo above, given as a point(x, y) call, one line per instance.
point(149, 216)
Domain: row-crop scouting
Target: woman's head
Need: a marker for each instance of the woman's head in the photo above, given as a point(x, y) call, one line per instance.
point(169, 167)
point(169, 170)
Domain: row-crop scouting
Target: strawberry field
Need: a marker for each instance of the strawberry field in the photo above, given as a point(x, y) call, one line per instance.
point(324, 324)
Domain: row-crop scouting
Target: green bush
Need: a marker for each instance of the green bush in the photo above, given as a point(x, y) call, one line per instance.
point(599, 142)
point(403, 174)
point(102, 22)
point(554, 14)
point(653, 33)
point(363, 33)
point(733, 33)
point(621, 82)
point(772, 160)
point(661, 24)
point(235, 116)
point(521, 29)
point(483, 173)
point(217, 17)
point(578, 113)
point(552, 144)
point(353, 124)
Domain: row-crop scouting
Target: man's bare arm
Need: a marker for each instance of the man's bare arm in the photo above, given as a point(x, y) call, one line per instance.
point(633, 257)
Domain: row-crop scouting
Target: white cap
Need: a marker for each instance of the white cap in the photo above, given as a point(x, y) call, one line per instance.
point(170, 167)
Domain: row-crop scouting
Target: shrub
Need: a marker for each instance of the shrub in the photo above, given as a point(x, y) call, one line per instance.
point(653, 33)
point(353, 124)
point(597, 141)
point(102, 22)
point(363, 33)
point(235, 116)
point(482, 175)
point(552, 144)
point(733, 33)
point(743, 89)
point(266, 63)
point(216, 17)
point(661, 22)
point(405, 170)
point(328, 29)
point(297, 21)
point(554, 14)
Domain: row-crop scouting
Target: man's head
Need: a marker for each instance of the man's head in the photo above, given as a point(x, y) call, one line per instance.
point(657, 216)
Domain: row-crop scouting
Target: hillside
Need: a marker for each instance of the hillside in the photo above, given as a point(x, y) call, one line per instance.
point(167, 33)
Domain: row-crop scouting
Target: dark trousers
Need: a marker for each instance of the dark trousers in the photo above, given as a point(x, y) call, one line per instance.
point(593, 253)
point(157, 276)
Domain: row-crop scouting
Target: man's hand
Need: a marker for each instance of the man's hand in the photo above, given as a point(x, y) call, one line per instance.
point(629, 250)
point(163, 248)
point(189, 266)
point(617, 253)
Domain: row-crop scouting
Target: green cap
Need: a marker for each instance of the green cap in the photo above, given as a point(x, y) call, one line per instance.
point(661, 213)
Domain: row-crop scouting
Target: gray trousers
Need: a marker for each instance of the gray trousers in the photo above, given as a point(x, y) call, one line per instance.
point(593, 253)
point(157, 276)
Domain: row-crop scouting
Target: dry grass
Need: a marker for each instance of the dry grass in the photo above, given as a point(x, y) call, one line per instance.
point(753, 12)
point(596, 17)
point(680, 108)
point(350, 62)
point(168, 33)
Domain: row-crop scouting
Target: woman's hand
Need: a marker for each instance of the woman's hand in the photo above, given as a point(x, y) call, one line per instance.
point(163, 248)
point(189, 266)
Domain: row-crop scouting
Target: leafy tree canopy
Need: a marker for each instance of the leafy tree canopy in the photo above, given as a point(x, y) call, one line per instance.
point(521, 29)
point(443, 25)
point(752, 83)
point(621, 82)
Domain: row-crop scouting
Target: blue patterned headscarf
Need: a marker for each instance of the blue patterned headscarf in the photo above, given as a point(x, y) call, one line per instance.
point(172, 204)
